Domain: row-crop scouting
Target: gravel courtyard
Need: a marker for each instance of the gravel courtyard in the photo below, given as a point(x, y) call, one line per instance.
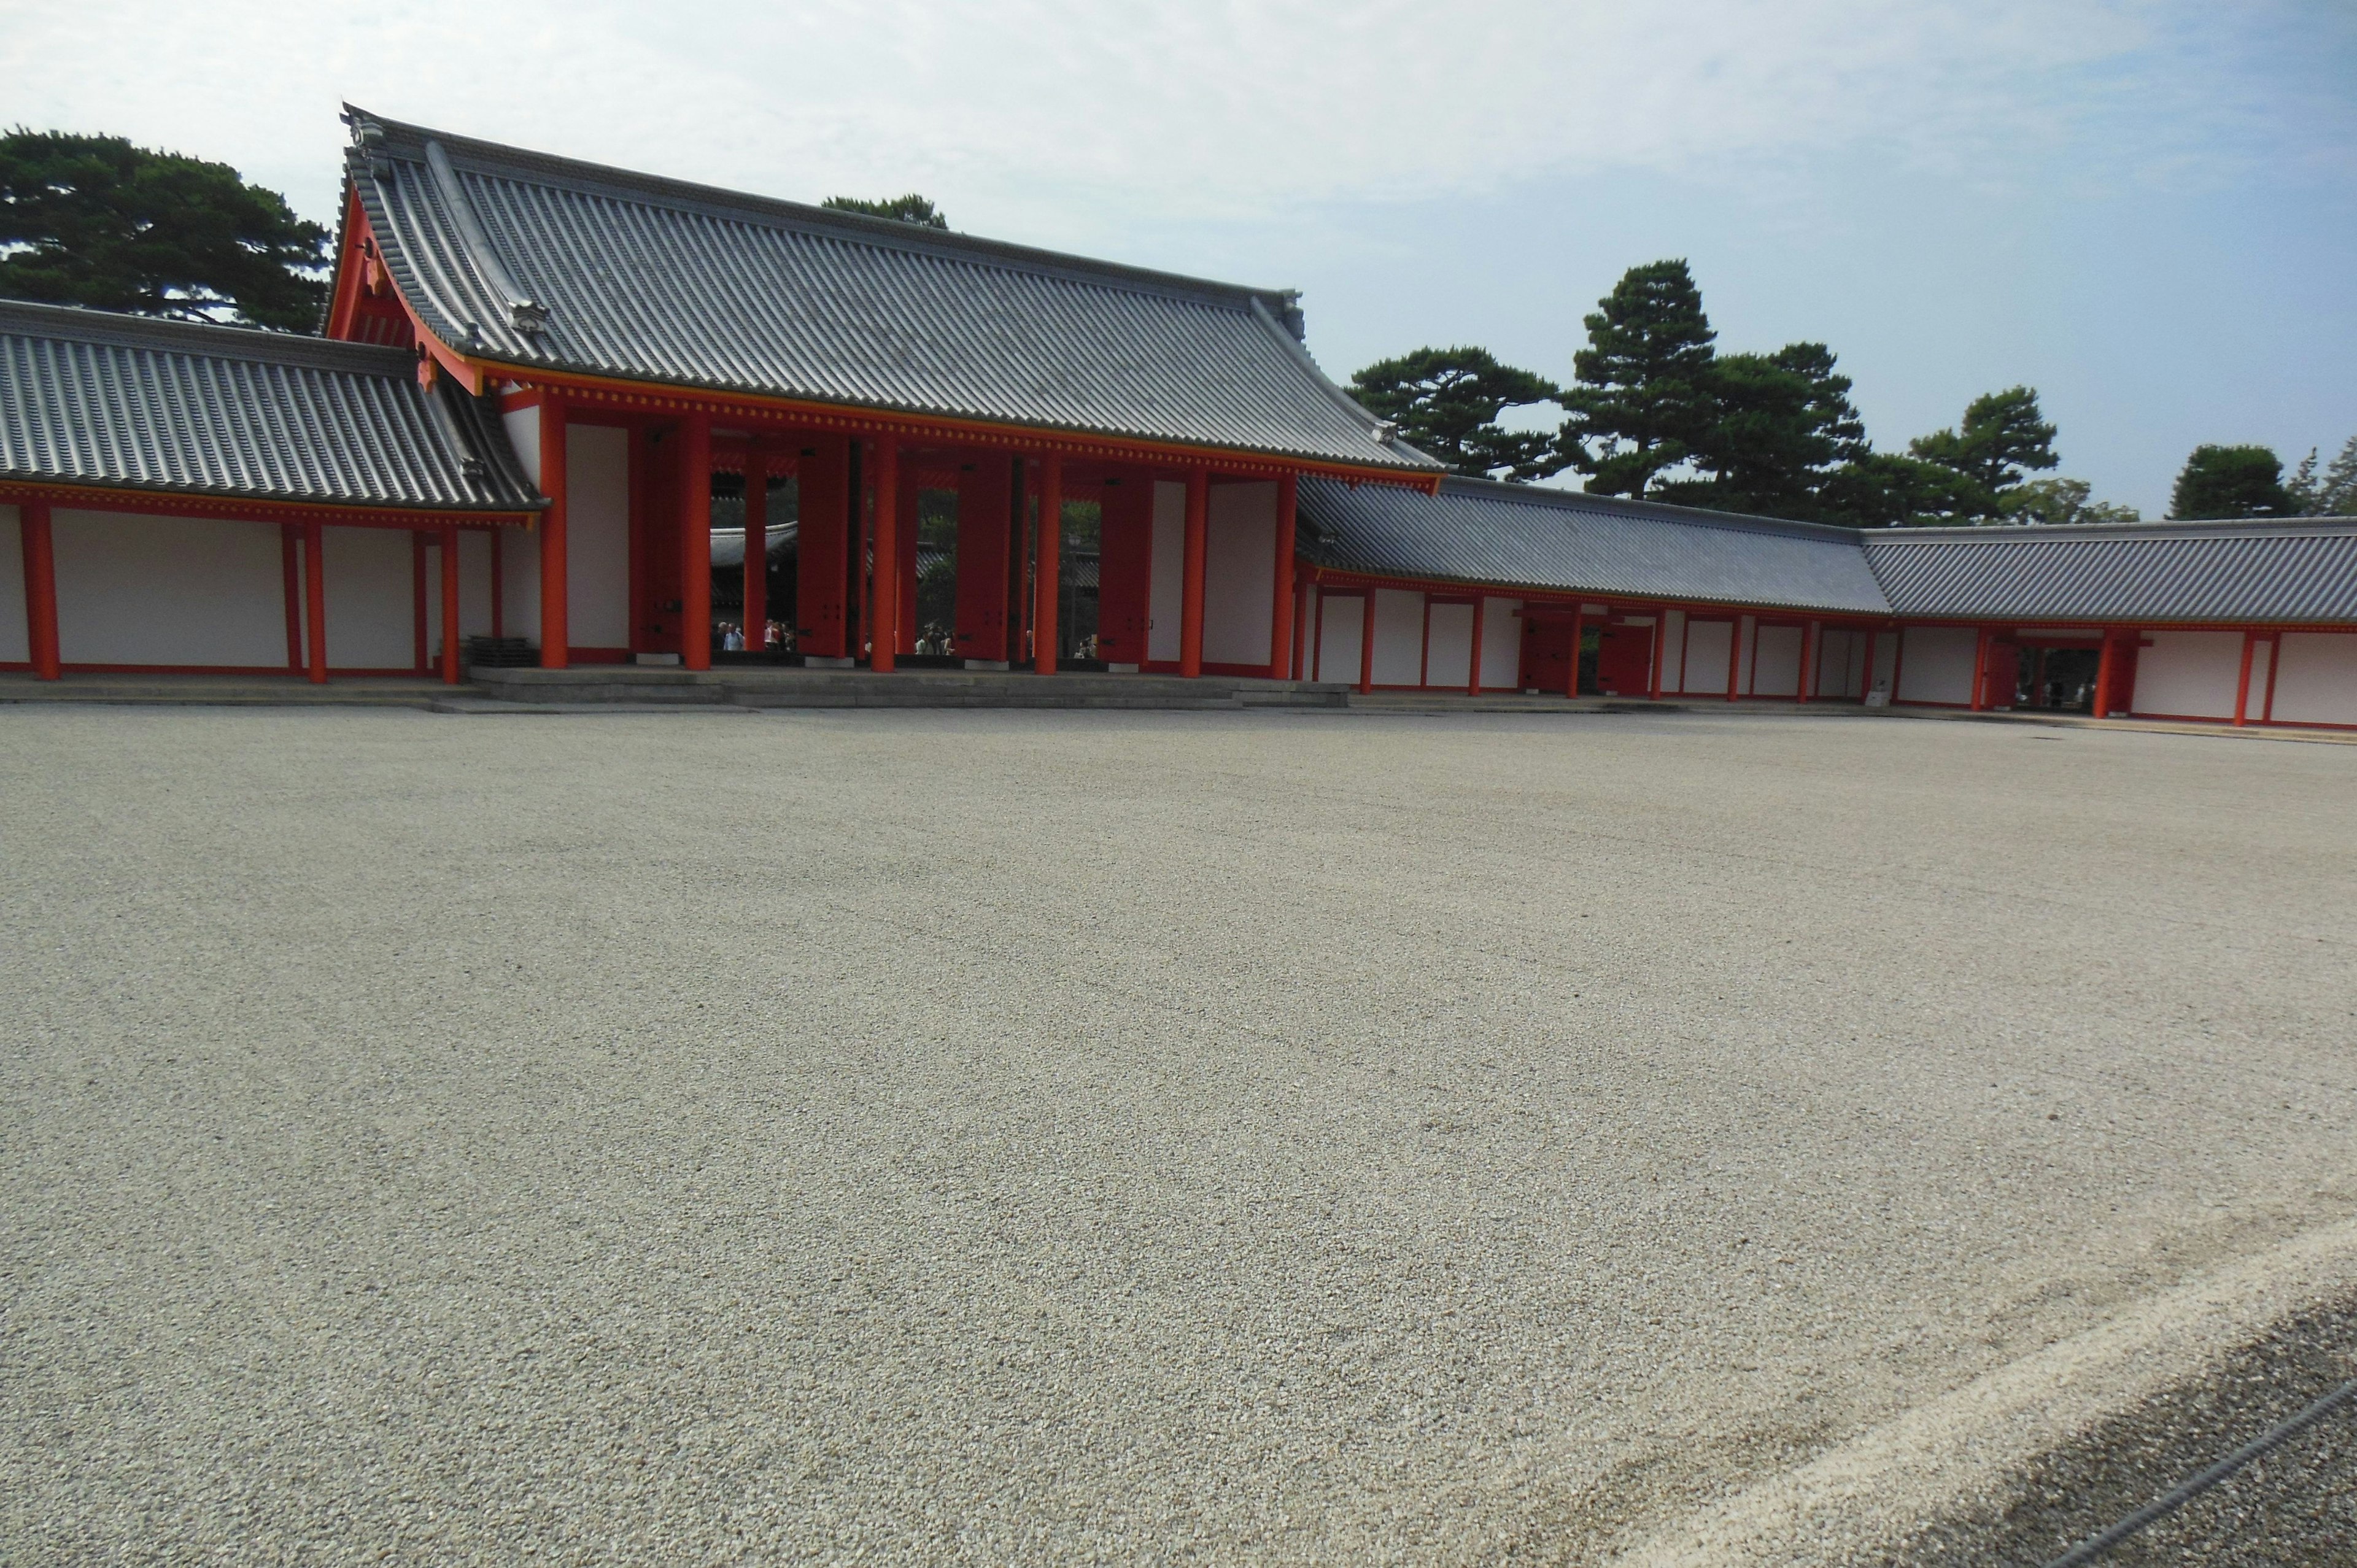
point(1072, 1138)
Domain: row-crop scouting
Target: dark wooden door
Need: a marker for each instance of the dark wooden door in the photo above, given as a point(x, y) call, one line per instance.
point(1624, 660)
point(984, 526)
point(1125, 556)
point(823, 548)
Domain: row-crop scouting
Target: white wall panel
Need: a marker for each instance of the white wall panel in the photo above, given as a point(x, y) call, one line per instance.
point(2190, 673)
point(372, 598)
point(1937, 666)
point(1674, 651)
point(523, 426)
point(1776, 655)
point(1239, 573)
point(1882, 660)
point(1399, 637)
point(1743, 630)
point(1449, 660)
point(474, 582)
point(168, 590)
point(1704, 667)
point(2318, 681)
point(1337, 638)
point(15, 637)
point(596, 538)
point(520, 569)
point(1501, 644)
point(1165, 581)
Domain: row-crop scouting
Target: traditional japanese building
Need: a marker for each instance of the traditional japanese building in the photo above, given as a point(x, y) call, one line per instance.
point(612, 420)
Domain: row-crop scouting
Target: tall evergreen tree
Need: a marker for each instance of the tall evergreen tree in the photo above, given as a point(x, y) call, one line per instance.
point(93, 220)
point(1445, 402)
point(909, 209)
point(1885, 490)
point(1643, 402)
point(2333, 492)
point(2003, 436)
point(1781, 424)
point(2232, 481)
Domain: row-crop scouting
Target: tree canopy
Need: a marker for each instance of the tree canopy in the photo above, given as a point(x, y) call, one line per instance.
point(2053, 501)
point(1445, 402)
point(909, 209)
point(1642, 399)
point(2232, 481)
point(2333, 492)
point(1779, 426)
point(2002, 436)
point(96, 221)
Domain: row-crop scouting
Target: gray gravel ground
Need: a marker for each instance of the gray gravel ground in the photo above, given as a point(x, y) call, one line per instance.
point(1104, 1138)
point(2295, 1505)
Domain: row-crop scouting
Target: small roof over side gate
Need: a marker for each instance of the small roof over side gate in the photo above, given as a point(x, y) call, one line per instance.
point(520, 259)
point(89, 398)
point(2283, 570)
point(1479, 532)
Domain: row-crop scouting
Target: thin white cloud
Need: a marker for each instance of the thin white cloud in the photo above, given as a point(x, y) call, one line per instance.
point(1079, 116)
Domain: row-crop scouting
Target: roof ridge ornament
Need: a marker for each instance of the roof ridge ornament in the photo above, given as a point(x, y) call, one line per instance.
point(526, 315)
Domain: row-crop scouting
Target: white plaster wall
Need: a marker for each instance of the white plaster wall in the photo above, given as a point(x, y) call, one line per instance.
point(1239, 573)
point(1399, 637)
point(1501, 642)
point(1449, 661)
point(2318, 681)
point(168, 590)
point(1165, 574)
point(2261, 653)
point(2190, 673)
point(520, 566)
point(1674, 651)
point(1338, 640)
point(1938, 666)
point(1706, 660)
point(522, 426)
point(1881, 660)
point(372, 598)
point(596, 538)
point(15, 637)
point(1836, 674)
point(1743, 652)
point(474, 582)
point(1779, 663)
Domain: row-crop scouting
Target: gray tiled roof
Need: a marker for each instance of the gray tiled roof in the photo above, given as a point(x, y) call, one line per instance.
point(520, 258)
point(1518, 535)
point(124, 401)
point(2291, 570)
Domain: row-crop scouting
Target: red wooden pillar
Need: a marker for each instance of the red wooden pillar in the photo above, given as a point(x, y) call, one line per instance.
point(695, 540)
point(33, 531)
point(2242, 683)
point(555, 595)
point(1367, 640)
point(290, 575)
point(757, 545)
point(314, 604)
point(2107, 671)
point(1280, 623)
point(1735, 654)
point(1661, 652)
point(2275, 662)
point(1811, 639)
point(1473, 675)
point(883, 636)
point(1190, 576)
point(1578, 631)
point(450, 604)
point(1045, 632)
point(1980, 670)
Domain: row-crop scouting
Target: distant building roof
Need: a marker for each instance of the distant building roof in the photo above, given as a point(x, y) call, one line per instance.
point(1477, 531)
point(124, 401)
point(2289, 570)
point(523, 259)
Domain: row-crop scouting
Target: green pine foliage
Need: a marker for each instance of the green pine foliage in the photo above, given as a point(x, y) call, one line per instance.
point(1781, 425)
point(909, 209)
point(1446, 402)
point(2232, 481)
point(96, 221)
point(2333, 492)
point(1643, 399)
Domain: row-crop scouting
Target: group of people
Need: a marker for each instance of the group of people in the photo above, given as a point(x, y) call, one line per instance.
point(775, 638)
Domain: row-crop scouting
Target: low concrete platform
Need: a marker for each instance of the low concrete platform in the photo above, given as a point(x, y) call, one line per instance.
point(256, 690)
point(756, 686)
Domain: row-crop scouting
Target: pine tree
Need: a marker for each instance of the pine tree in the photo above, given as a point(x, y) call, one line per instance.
point(1446, 402)
point(2332, 493)
point(1643, 403)
point(1780, 424)
point(2232, 481)
point(2002, 436)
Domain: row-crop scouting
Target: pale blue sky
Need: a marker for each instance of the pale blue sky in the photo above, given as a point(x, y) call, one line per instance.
point(2146, 208)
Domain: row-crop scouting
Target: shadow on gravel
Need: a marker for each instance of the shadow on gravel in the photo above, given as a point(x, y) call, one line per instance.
point(2296, 1505)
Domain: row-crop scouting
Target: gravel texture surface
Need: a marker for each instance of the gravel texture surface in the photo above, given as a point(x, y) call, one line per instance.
point(2295, 1505)
point(1090, 1138)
